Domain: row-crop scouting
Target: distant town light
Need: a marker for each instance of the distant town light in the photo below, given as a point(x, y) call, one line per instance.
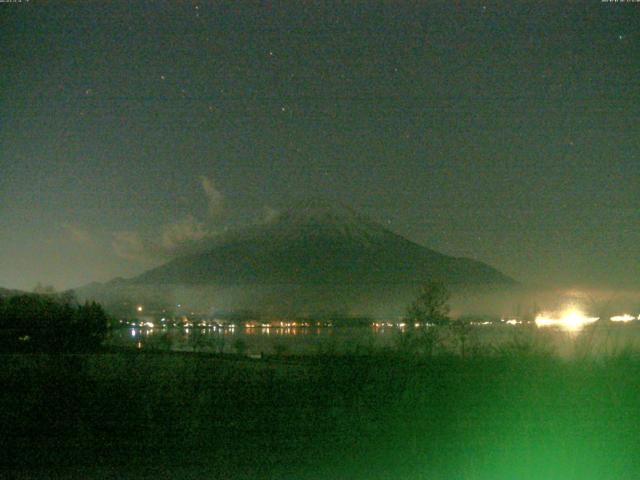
point(622, 318)
point(139, 308)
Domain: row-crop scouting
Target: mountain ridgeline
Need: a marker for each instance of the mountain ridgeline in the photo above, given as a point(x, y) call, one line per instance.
point(309, 257)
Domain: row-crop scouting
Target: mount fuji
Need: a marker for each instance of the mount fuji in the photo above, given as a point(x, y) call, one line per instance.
point(312, 256)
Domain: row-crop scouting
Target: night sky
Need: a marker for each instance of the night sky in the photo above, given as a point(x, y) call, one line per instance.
point(506, 132)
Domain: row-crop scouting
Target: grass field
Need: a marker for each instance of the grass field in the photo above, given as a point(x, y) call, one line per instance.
point(519, 414)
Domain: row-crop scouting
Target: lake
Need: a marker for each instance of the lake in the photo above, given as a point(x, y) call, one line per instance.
point(599, 338)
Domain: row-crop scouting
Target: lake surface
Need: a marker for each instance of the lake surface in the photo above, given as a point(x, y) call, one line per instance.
point(600, 339)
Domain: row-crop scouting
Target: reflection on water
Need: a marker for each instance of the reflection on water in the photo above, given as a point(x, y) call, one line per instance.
point(297, 340)
point(563, 332)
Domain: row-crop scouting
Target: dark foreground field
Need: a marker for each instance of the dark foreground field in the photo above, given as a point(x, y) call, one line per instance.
point(137, 415)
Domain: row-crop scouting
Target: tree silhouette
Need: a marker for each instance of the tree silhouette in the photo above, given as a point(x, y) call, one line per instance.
point(428, 312)
point(54, 323)
point(431, 306)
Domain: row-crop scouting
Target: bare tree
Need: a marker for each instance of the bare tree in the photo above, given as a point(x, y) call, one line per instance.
point(431, 307)
point(426, 314)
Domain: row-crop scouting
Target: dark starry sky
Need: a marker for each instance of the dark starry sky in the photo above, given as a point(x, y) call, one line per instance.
point(508, 132)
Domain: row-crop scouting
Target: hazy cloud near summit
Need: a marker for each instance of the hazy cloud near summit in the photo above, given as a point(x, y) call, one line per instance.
point(78, 234)
point(184, 231)
point(175, 238)
point(131, 246)
point(215, 199)
point(269, 214)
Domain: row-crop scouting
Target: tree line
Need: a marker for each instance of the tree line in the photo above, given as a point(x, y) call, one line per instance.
point(51, 323)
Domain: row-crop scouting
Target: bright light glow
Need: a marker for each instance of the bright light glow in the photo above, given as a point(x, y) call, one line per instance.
point(149, 324)
point(544, 321)
point(139, 308)
point(571, 320)
point(513, 321)
point(622, 318)
point(575, 320)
